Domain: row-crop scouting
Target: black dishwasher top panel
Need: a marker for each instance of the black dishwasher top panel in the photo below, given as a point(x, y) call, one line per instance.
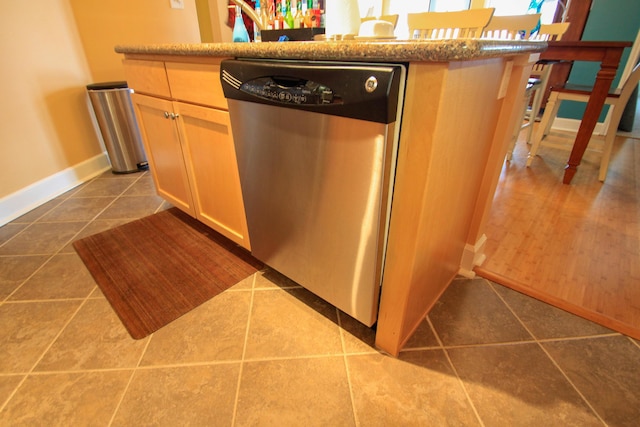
point(361, 91)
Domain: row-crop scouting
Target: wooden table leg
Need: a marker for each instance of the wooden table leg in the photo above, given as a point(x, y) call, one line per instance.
point(599, 94)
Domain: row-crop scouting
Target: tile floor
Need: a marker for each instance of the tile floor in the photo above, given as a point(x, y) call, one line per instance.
point(267, 352)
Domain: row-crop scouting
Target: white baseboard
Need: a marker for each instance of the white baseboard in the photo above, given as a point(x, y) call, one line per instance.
point(473, 255)
point(572, 125)
point(38, 193)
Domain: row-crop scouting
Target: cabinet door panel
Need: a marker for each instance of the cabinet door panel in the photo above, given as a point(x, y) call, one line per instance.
point(164, 151)
point(211, 161)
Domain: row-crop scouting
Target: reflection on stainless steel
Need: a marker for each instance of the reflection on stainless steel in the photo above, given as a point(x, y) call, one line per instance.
point(315, 199)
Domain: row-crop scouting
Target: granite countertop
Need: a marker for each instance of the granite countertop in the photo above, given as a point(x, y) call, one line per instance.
point(385, 51)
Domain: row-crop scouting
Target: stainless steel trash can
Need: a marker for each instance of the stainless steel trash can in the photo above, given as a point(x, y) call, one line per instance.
point(112, 105)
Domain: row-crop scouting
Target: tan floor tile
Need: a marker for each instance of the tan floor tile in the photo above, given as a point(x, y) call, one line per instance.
point(7, 386)
point(423, 337)
point(357, 337)
point(546, 321)
point(213, 331)
point(180, 396)
point(77, 209)
point(42, 238)
point(94, 227)
point(70, 399)
point(470, 312)
point(36, 213)
point(132, 207)
point(14, 270)
point(417, 389)
point(8, 231)
point(271, 279)
point(295, 392)
point(63, 276)
point(246, 284)
point(142, 187)
point(28, 329)
point(113, 185)
point(94, 339)
point(606, 370)
point(291, 323)
point(519, 385)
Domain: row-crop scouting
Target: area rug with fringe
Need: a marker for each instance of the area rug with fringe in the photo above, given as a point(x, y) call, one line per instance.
point(157, 268)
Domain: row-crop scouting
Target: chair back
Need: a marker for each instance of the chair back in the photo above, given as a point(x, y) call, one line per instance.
point(630, 84)
point(548, 32)
point(631, 62)
point(449, 25)
point(511, 27)
point(551, 32)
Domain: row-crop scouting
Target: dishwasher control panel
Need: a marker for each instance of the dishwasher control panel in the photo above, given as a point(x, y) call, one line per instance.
point(290, 91)
point(355, 90)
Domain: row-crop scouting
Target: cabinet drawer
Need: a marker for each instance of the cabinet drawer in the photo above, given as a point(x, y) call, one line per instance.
point(147, 77)
point(197, 83)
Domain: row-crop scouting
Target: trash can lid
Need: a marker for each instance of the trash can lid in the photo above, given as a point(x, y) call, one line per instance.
point(107, 85)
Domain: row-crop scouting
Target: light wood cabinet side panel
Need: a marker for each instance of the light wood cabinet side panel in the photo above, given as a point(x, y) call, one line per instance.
point(412, 172)
point(197, 83)
point(440, 167)
point(148, 77)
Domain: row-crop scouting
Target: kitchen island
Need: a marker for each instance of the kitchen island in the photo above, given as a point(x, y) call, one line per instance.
point(462, 101)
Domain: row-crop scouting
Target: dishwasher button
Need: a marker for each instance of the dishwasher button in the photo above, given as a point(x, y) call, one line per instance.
point(371, 84)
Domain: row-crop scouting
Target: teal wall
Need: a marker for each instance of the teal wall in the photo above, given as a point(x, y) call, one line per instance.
point(608, 20)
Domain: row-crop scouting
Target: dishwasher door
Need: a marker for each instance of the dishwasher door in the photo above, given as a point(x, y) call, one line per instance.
point(317, 186)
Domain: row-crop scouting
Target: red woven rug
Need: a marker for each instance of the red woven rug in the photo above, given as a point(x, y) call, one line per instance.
point(155, 269)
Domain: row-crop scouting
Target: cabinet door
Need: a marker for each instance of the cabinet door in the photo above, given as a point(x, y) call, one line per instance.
point(213, 171)
point(164, 151)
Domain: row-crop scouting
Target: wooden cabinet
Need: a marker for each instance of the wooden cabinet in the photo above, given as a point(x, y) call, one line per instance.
point(164, 151)
point(189, 146)
point(210, 160)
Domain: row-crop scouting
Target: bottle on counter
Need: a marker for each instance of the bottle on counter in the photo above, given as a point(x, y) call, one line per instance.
point(307, 14)
point(298, 18)
point(288, 16)
point(317, 14)
point(257, 36)
point(278, 19)
point(240, 33)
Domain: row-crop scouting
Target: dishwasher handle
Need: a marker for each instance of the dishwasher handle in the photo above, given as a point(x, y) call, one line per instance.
point(360, 91)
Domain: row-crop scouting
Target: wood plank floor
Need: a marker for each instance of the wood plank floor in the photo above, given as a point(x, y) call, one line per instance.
point(574, 246)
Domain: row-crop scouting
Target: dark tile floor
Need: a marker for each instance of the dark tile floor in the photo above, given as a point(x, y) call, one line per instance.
point(267, 352)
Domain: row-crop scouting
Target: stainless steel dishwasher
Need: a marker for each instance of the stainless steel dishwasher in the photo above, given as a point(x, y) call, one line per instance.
point(316, 145)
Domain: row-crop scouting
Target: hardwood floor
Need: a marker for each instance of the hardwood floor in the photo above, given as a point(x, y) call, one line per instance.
point(574, 246)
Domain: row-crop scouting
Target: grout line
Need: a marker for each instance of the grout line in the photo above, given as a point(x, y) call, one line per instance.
point(44, 352)
point(455, 371)
point(544, 350)
point(126, 387)
point(244, 352)
point(633, 341)
point(564, 374)
point(346, 367)
point(71, 239)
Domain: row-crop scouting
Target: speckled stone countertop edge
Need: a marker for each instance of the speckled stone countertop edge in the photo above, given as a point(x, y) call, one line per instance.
point(418, 50)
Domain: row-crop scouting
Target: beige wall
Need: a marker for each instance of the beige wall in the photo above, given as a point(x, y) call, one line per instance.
point(51, 50)
point(102, 25)
point(45, 123)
